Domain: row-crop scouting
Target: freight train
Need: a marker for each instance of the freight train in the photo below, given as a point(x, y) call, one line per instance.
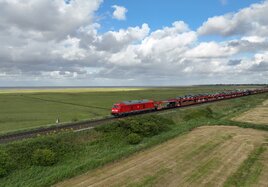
point(146, 105)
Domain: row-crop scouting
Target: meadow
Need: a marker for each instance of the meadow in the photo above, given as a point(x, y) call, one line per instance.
point(79, 152)
point(30, 108)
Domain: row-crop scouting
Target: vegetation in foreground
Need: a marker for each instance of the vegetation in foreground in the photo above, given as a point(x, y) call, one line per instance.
point(203, 157)
point(257, 115)
point(248, 173)
point(75, 153)
point(34, 108)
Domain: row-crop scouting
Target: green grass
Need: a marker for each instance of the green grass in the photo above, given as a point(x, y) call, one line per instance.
point(87, 150)
point(150, 179)
point(23, 109)
point(203, 170)
point(249, 171)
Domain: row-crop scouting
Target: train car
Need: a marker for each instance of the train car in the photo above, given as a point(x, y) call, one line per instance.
point(138, 106)
point(130, 107)
point(170, 103)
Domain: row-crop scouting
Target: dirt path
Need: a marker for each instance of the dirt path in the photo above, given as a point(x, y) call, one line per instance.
point(258, 115)
point(204, 157)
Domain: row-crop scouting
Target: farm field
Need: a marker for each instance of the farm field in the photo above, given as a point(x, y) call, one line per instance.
point(258, 115)
point(207, 156)
point(23, 109)
point(76, 153)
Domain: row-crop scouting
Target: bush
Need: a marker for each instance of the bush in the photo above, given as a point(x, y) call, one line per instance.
point(21, 152)
point(199, 113)
point(134, 138)
point(44, 157)
point(5, 163)
point(149, 125)
point(145, 126)
point(110, 127)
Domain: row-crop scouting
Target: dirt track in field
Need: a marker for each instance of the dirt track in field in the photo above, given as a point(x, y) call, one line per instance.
point(258, 115)
point(204, 157)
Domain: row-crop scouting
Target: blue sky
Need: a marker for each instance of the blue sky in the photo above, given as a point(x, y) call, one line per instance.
point(133, 42)
point(160, 13)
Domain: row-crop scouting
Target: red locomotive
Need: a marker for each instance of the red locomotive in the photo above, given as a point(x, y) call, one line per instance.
point(130, 107)
point(139, 106)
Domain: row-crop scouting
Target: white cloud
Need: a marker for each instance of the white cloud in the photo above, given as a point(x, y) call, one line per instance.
point(69, 49)
point(248, 21)
point(119, 12)
point(114, 41)
point(254, 39)
point(46, 19)
point(65, 47)
point(211, 50)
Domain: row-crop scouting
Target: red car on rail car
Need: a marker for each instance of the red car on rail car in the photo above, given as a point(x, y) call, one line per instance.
point(130, 107)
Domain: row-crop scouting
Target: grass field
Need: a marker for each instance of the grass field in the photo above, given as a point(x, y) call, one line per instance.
point(258, 115)
point(207, 156)
point(23, 109)
point(85, 151)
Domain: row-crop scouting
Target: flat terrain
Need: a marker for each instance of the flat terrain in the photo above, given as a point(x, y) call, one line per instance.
point(23, 109)
point(258, 115)
point(207, 156)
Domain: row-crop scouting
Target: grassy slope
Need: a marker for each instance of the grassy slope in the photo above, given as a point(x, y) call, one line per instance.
point(94, 149)
point(22, 109)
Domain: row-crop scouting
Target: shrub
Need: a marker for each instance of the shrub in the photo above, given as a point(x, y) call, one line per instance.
point(5, 163)
point(149, 125)
point(110, 127)
point(199, 113)
point(148, 128)
point(134, 138)
point(145, 126)
point(22, 151)
point(44, 157)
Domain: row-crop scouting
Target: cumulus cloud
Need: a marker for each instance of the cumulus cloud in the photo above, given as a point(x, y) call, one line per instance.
point(46, 19)
point(58, 43)
point(119, 12)
point(211, 50)
point(114, 41)
point(248, 21)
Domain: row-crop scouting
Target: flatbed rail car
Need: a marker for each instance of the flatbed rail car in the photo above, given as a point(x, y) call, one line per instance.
point(139, 106)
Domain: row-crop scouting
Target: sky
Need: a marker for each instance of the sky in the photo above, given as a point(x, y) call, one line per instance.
point(133, 43)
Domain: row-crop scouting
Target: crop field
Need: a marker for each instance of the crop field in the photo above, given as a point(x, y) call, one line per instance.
point(258, 115)
point(207, 156)
point(23, 109)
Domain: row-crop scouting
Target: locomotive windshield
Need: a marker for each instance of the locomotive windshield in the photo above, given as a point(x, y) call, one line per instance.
point(115, 106)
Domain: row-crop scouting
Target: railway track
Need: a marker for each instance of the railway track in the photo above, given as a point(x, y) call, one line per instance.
point(53, 129)
point(78, 126)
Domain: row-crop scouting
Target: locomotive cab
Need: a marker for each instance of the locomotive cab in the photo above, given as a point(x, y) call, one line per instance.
point(115, 109)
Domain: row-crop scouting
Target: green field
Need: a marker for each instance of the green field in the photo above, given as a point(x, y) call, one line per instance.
point(23, 109)
point(79, 152)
